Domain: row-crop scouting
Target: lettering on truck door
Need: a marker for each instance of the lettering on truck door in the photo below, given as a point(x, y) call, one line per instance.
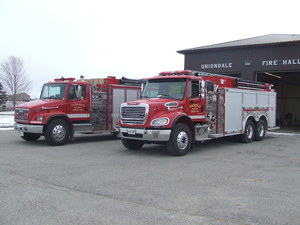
point(195, 108)
point(78, 104)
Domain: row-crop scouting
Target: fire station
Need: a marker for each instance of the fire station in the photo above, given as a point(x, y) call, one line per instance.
point(273, 58)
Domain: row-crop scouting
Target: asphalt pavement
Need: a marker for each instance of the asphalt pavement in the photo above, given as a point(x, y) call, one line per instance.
point(94, 180)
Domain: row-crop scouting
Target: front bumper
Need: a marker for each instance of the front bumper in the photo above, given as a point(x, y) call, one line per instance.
point(37, 129)
point(145, 135)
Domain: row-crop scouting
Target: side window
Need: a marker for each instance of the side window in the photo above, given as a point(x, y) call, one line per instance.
point(81, 92)
point(72, 92)
point(210, 86)
point(194, 89)
point(77, 92)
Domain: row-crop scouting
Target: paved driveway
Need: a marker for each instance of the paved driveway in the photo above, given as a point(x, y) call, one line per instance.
point(94, 180)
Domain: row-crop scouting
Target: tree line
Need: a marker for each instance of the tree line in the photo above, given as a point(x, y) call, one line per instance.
point(13, 80)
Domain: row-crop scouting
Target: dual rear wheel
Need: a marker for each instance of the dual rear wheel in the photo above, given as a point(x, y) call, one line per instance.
point(253, 131)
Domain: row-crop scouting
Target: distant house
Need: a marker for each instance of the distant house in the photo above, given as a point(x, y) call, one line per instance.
point(21, 98)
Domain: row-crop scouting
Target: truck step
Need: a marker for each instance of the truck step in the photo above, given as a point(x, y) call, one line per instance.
point(82, 127)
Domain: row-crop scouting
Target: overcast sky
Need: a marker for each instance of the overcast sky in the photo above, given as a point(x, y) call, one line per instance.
point(132, 38)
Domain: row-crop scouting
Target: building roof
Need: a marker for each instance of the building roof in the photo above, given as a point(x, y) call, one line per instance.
point(20, 97)
point(270, 39)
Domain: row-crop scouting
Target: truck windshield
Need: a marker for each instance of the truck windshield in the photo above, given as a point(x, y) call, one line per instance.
point(53, 91)
point(165, 88)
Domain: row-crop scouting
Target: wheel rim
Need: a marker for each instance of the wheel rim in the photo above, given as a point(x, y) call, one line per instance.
point(261, 130)
point(249, 132)
point(59, 132)
point(182, 140)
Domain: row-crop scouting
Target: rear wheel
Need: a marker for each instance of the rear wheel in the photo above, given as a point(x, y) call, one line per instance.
point(249, 132)
point(180, 141)
point(132, 144)
point(57, 132)
point(30, 136)
point(260, 130)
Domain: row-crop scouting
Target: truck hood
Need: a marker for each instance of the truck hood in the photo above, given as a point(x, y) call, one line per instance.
point(41, 102)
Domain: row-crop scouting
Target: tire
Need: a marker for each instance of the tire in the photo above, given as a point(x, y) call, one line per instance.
point(260, 130)
point(57, 132)
point(180, 141)
point(30, 136)
point(132, 144)
point(249, 132)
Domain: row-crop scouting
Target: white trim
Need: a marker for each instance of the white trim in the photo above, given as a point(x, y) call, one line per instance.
point(197, 117)
point(79, 116)
point(36, 122)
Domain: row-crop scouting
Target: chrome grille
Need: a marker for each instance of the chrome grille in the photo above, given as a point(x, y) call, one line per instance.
point(133, 115)
point(22, 114)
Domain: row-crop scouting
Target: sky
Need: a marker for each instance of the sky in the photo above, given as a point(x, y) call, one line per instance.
point(131, 38)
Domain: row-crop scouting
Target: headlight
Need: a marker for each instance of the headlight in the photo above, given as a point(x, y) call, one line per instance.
point(39, 118)
point(160, 122)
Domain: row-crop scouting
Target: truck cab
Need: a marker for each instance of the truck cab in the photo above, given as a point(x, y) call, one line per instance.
point(67, 106)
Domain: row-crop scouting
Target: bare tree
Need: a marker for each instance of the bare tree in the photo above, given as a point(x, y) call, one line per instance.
point(12, 75)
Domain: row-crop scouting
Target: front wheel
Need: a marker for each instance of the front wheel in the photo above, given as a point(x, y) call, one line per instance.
point(132, 144)
point(30, 136)
point(260, 130)
point(180, 141)
point(57, 132)
point(249, 132)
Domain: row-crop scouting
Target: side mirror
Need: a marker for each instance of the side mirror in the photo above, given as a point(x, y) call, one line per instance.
point(201, 89)
point(202, 85)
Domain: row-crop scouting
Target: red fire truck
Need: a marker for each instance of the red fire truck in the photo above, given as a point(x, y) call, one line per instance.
point(178, 108)
point(67, 106)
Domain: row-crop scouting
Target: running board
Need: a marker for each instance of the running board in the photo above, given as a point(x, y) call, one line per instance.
point(82, 127)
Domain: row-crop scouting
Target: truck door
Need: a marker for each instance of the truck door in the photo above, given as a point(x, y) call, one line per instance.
point(196, 106)
point(78, 104)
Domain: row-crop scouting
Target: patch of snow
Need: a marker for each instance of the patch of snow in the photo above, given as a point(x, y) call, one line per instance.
point(284, 134)
point(6, 128)
point(7, 113)
point(6, 119)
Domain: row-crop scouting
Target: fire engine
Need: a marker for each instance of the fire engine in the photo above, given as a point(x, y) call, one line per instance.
point(67, 105)
point(180, 107)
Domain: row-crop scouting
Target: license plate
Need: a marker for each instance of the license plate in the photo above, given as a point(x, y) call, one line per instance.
point(131, 132)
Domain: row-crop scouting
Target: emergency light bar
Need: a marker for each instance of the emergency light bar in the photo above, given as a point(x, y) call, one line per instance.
point(64, 79)
point(191, 73)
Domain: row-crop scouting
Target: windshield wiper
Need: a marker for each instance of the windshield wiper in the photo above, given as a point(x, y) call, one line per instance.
point(50, 97)
point(164, 96)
